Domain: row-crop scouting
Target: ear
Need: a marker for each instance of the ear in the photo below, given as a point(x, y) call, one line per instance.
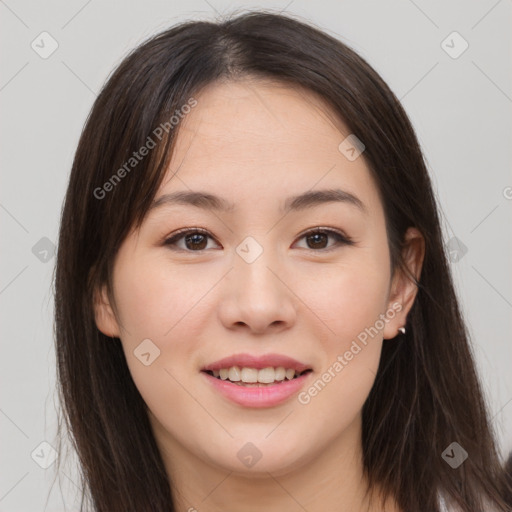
point(104, 314)
point(403, 289)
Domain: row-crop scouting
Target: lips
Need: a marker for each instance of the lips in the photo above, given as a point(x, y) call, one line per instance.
point(257, 362)
point(271, 395)
point(271, 389)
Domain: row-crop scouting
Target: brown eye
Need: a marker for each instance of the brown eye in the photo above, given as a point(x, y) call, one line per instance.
point(318, 239)
point(195, 240)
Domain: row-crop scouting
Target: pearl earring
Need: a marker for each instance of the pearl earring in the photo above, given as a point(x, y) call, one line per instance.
point(402, 330)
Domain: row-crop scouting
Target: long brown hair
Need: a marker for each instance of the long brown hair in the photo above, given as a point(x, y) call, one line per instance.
point(426, 394)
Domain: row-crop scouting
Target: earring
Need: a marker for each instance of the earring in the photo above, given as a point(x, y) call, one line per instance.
point(402, 330)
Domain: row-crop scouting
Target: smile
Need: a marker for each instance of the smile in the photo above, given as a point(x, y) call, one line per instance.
point(253, 377)
point(257, 395)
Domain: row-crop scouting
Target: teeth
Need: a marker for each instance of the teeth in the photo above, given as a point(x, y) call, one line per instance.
point(249, 375)
point(234, 374)
point(290, 374)
point(252, 375)
point(280, 373)
point(267, 375)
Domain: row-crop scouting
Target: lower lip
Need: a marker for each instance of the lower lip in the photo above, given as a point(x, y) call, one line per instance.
point(265, 396)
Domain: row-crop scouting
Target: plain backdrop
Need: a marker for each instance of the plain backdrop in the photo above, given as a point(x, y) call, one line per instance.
point(459, 100)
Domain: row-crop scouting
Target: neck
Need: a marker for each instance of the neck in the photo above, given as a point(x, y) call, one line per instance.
point(331, 480)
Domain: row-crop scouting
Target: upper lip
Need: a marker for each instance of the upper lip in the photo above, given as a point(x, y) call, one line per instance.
point(257, 362)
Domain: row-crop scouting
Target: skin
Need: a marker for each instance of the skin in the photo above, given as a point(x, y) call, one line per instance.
point(255, 143)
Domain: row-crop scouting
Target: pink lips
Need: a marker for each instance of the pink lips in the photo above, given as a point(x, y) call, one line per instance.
point(258, 362)
point(265, 396)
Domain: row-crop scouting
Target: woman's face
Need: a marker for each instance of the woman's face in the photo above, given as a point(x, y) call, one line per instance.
point(255, 282)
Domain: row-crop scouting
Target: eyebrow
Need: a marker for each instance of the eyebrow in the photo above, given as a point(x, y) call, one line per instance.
point(303, 201)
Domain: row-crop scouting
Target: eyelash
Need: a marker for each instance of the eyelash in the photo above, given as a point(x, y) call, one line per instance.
point(341, 238)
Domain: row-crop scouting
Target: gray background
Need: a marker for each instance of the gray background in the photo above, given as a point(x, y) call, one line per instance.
point(460, 108)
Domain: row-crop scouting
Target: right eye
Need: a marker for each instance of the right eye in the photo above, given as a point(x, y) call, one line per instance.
point(195, 240)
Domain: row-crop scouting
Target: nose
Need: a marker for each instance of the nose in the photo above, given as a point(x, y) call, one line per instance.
point(257, 297)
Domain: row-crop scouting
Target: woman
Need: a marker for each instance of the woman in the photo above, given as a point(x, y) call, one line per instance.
point(254, 309)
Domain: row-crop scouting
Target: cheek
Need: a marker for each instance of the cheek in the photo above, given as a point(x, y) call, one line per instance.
point(160, 311)
point(154, 298)
point(347, 298)
point(336, 397)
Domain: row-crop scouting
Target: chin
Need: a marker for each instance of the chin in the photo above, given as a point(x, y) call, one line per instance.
point(262, 456)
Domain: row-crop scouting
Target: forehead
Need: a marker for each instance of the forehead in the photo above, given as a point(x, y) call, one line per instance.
point(253, 139)
point(260, 114)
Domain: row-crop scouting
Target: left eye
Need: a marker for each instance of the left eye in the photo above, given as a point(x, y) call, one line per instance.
point(318, 236)
point(196, 240)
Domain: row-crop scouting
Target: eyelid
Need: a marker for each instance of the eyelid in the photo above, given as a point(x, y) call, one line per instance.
point(323, 229)
point(176, 235)
point(343, 239)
